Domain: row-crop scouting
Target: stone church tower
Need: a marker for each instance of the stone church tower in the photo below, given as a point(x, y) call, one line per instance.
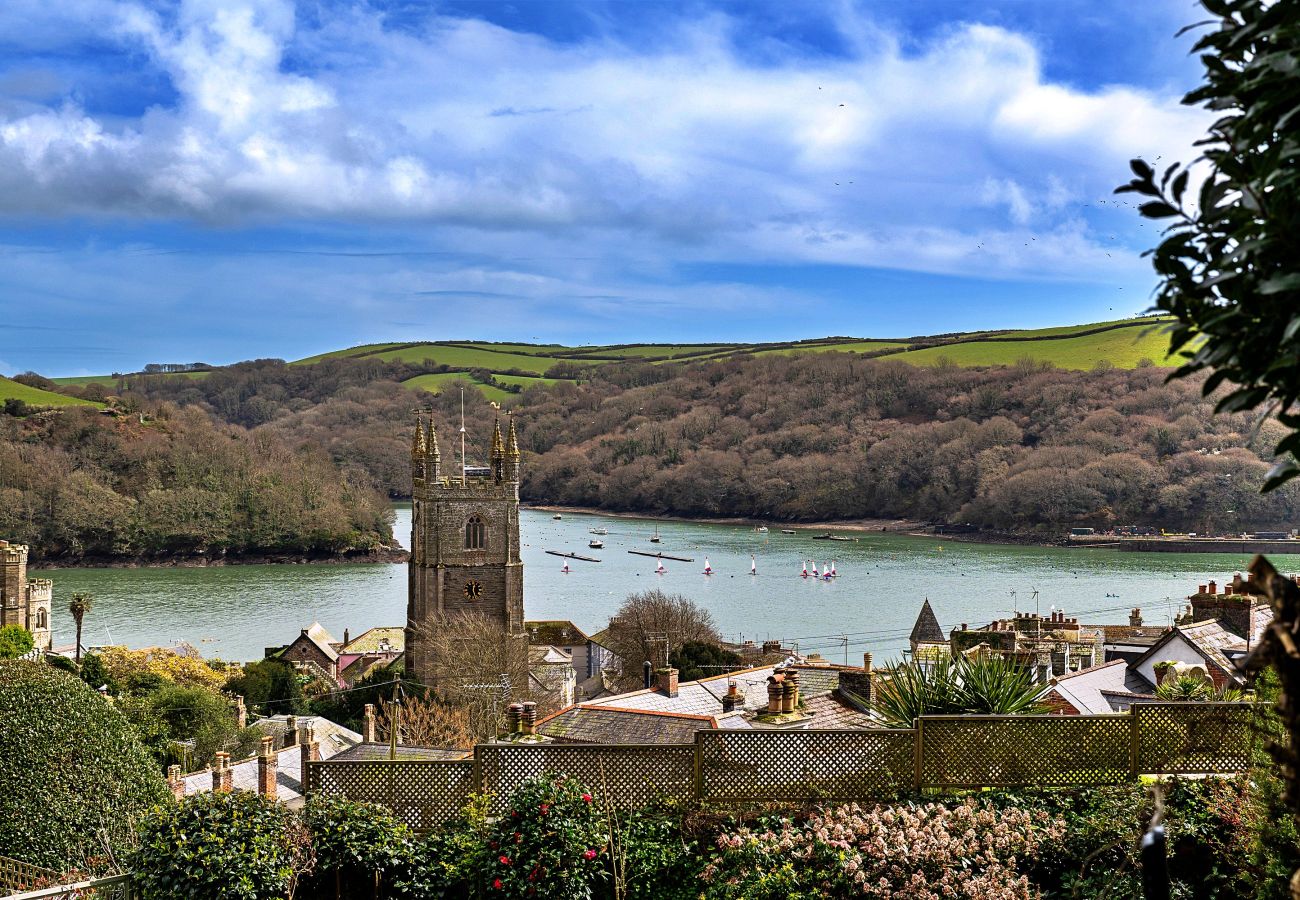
point(23, 601)
point(464, 543)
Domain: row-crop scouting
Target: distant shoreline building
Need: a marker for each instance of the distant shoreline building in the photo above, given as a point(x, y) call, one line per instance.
point(24, 601)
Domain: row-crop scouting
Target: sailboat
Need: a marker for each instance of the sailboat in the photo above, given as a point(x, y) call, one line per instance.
point(708, 569)
point(564, 569)
point(834, 573)
point(826, 572)
point(815, 573)
point(753, 565)
point(654, 538)
point(804, 573)
point(661, 568)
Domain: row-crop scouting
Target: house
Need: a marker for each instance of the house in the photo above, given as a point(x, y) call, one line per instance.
point(374, 648)
point(589, 658)
point(314, 650)
point(551, 674)
point(670, 712)
point(1109, 687)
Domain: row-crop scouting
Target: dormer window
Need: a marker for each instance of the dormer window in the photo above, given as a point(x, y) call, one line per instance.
point(475, 534)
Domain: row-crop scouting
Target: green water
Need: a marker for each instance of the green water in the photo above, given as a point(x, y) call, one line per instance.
point(236, 611)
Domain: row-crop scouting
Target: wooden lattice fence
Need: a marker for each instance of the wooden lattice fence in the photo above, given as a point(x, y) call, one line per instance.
point(741, 766)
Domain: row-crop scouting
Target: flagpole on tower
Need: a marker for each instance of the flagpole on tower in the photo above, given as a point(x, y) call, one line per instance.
point(462, 437)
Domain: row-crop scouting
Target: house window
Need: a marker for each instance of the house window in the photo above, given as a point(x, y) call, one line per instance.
point(42, 619)
point(475, 534)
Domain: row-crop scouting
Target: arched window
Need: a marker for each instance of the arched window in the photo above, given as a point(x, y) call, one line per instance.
point(42, 618)
point(475, 534)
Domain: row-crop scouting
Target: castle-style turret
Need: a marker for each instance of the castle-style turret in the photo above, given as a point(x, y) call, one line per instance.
point(433, 458)
point(24, 601)
point(498, 457)
point(512, 454)
point(419, 450)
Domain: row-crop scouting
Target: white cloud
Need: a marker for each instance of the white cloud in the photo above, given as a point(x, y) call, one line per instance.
point(887, 158)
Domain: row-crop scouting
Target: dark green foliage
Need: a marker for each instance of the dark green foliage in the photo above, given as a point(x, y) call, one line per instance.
point(220, 846)
point(73, 774)
point(15, 641)
point(80, 484)
point(946, 686)
point(357, 846)
point(657, 861)
point(698, 659)
point(1230, 262)
point(95, 675)
point(173, 714)
point(448, 863)
point(271, 687)
point(550, 842)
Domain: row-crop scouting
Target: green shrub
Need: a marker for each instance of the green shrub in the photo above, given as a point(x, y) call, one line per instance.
point(96, 675)
point(652, 857)
point(358, 846)
point(448, 863)
point(228, 845)
point(73, 776)
point(15, 641)
point(549, 843)
point(173, 714)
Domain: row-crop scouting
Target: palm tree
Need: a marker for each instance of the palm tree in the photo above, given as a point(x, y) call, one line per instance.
point(947, 686)
point(79, 604)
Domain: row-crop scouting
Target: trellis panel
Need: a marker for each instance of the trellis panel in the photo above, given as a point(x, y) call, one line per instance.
point(628, 774)
point(737, 766)
point(423, 793)
point(1193, 738)
point(1007, 751)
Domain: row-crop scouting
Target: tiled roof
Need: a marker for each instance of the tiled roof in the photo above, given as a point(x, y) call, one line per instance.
point(321, 638)
point(599, 724)
point(1214, 641)
point(1084, 690)
point(560, 632)
point(386, 639)
point(829, 712)
point(1132, 634)
point(381, 751)
point(332, 737)
point(243, 776)
point(927, 626)
point(549, 654)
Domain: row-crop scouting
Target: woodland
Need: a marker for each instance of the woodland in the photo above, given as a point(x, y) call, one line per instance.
point(811, 437)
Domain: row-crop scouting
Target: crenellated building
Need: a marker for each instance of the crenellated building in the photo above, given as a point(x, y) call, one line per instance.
point(24, 601)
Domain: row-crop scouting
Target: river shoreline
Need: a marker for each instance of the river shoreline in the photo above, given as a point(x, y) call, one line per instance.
point(385, 555)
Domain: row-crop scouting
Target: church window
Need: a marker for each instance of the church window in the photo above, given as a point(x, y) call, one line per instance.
point(475, 534)
point(42, 619)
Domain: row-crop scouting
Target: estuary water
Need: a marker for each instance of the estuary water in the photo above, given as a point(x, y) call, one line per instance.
point(234, 612)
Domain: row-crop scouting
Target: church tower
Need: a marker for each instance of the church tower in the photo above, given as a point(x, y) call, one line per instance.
point(464, 543)
point(23, 601)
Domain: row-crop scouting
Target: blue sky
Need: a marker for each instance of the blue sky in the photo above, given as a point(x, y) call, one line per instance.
point(215, 180)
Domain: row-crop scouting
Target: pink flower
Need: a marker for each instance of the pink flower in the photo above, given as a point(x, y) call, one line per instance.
point(589, 855)
point(505, 860)
point(586, 798)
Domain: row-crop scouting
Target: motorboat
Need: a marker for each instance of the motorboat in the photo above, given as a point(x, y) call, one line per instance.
point(596, 544)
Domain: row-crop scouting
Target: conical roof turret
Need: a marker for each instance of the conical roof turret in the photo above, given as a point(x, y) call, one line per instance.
point(431, 441)
point(418, 444)
point(512, 441)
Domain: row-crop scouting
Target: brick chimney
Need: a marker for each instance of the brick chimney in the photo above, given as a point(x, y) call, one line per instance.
point(176, 782)
point(666, 681)
point(774, 694)
point(267, 763)
point(732, 699)
point(528, 718)
point(222, 777)
point(1213, 588)
point(514, 718)
point(310, 751)
point(1135, 617)
point(241, 712)
point(368, 724)
point(790, 691)
point(291, 732)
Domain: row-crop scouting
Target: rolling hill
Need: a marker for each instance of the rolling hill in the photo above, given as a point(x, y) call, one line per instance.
point(13, 390)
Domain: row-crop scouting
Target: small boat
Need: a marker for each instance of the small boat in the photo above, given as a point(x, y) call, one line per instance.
point(708, 569)
point(761, 529)
point(557, 517)
point(753, 565)
point(596, 544)
point(599, 531)
point(661, 568)
point(815, 573)
point(804, 573)
point(565, 568)
point(832, 537)
point(834, 573)
point(787, 531)
point(654, 538)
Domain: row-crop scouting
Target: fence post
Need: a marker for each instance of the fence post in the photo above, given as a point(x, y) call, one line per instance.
point(1134, 742)
point(698, 761)
point(918, 752)
point(476, 774)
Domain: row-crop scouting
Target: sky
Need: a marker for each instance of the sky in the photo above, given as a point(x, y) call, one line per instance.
point(217, 180)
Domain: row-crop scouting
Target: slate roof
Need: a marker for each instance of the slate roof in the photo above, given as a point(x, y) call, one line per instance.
point(1137, 635)
point(324, 642)
point(380, 751)
point(557, 632)
point(385, 639)
point(1087, 690)
point(243, 776)
point(332, 737)
point(927, 630)
point(829, 712)
point(600, 637)
point(549, 654)
point(598, 724)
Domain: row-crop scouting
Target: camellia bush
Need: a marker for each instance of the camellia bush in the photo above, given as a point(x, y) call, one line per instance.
point(549, 843)
point(73, 775)
point(357, 846)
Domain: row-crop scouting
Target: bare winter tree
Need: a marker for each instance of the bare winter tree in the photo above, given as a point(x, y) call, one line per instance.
point(653, 625)
point(428, 722)
point(478, 668)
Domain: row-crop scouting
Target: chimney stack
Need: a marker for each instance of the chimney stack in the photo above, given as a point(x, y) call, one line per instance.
point(291, 732)
point(514, 718)
point(176, 782)
point(368, 724)
point(310, 752)
point(241, 712)
point(528, 718)
point(647, 674)
point(790, 691)
point(773, 694)
point(1213, 588)
point(267, 763)
point(1135, 617)
point(347, 639)
point(668, 681)
point(732, 698)
point(222, 777)
point(866, 663)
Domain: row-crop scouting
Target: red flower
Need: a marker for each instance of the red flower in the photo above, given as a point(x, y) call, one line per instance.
point(497, 884)
point(505, 860)
point(586, 798)
point(545, 808)
point(519, 838)
point(589, 855)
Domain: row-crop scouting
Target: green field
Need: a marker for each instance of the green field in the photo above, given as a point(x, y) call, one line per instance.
point(1122, 347)
point(13, 390)
point(110, 383)
point(524, 380)
point(435, 384)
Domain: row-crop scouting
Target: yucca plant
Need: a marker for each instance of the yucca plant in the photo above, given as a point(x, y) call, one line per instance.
point(948, 686)
point(1186, 689)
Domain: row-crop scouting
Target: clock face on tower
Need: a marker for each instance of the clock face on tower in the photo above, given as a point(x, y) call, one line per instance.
point(473, 590)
